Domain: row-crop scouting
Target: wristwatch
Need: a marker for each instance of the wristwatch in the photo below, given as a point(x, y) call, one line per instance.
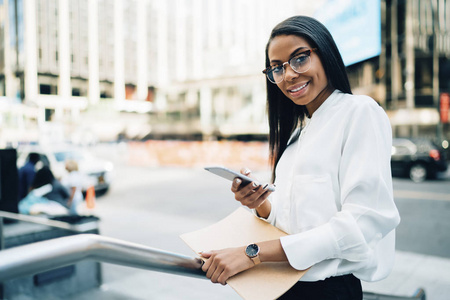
point(252, 251)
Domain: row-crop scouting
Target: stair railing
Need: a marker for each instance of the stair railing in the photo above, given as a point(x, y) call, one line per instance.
point(51, 254)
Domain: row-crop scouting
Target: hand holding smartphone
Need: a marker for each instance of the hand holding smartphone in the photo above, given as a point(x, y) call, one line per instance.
point(231, 175)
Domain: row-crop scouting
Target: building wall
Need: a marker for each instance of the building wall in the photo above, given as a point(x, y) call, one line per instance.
point(201, 60)
point(409, 76)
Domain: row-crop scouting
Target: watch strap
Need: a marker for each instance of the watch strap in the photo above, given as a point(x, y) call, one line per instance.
point(256, 259)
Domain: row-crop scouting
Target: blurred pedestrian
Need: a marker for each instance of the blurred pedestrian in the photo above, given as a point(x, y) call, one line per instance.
point(46, 195)
point(73, 181)
point(58, 192)
point(330, 154)
point(27, 173)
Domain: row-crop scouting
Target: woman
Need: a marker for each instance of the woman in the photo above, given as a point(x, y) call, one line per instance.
point(330, 155)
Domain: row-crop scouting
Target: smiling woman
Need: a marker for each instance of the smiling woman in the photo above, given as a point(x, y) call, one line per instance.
point(330, 154)
point(304, 83)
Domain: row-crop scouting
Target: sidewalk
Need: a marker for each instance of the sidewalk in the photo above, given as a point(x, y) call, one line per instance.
point(150, 217)
point(411, 271)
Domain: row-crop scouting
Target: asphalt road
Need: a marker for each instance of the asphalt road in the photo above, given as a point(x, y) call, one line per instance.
point(424, 209)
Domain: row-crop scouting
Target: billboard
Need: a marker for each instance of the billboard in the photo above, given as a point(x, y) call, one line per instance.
point(355, 26)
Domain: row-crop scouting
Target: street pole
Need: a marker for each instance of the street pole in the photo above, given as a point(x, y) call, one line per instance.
point(394, 56)
point(381, 73)
point(436, 33)
point(410, 62)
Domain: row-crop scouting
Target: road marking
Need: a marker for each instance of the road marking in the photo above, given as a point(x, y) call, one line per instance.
point(421, 195)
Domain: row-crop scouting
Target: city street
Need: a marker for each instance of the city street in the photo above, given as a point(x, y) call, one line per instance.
point(154, 205)
point(424, 208)
point(158, 90)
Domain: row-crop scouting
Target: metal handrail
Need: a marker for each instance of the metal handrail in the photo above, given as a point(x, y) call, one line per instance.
point(52, 223)
point(50, 254)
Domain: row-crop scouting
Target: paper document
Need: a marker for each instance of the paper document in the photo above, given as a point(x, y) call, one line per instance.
point(267, 280)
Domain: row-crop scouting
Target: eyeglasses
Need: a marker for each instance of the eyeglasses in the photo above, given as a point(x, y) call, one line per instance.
point(300, 63)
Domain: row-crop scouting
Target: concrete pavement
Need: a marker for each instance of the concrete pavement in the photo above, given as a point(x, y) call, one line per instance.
point(128, 215)
point(411, 271)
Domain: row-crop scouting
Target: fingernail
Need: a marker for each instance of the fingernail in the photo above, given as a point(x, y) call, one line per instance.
point(255, 184)
point(238, 181)
point(265, 186)
point(247, 171)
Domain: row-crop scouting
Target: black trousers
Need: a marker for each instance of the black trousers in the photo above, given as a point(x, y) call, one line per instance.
point(346, 287)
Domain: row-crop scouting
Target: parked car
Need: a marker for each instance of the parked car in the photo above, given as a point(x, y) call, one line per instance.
point(417, 158)
point(97, 172)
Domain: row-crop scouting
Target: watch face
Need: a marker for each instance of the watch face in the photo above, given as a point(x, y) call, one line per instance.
point(252, 250)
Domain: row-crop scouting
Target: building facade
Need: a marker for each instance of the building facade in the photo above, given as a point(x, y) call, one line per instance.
point(192, 68)
point(193, 65)
point(412, 73)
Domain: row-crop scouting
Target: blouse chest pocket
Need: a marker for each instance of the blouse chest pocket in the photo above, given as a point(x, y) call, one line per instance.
point(312, 201)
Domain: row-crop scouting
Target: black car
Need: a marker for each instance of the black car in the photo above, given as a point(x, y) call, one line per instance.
point(417, 158)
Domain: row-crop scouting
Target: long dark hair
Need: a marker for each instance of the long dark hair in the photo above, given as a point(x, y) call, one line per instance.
point(284, 115)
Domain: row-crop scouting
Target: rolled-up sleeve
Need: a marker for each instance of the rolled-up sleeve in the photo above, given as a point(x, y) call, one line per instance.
point(367, 213)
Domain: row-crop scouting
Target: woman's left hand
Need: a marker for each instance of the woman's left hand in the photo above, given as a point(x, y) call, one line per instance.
point(222, 264)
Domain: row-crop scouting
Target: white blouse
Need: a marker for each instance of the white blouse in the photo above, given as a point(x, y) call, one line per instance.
point(334, 192)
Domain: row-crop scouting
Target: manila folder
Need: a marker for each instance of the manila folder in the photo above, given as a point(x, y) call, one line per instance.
point(268, 280)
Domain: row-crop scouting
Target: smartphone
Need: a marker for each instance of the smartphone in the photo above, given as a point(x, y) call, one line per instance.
point(231, 175)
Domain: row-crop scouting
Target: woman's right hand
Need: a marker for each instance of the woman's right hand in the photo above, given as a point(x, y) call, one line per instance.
point(252, 195)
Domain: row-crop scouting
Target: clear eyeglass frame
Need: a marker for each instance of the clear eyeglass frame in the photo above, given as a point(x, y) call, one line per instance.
point(269, 71)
